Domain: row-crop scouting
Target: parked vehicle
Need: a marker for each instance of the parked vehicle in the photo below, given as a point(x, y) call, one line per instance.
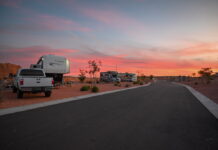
point(109, 76)
point(53, 66)
point(127, 77)
point(32, 80)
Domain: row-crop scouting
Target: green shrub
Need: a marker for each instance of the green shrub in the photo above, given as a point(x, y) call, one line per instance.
point(135, 82)
point(95, 89)
point(89, 82)
point(141, 83)
point(117, 84)
point(127, 85)
point(81, 78)
point(85, 88)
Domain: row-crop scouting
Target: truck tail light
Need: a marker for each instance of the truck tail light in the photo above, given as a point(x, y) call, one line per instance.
point(21, 82)
point(52, 82)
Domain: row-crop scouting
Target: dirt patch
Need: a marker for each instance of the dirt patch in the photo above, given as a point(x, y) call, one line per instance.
point(210, 90)
point(9, 99)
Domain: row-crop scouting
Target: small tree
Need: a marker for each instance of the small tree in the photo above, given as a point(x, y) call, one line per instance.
point(142, 77)
point(206, 74)
point(151, 77)
point(193, 76)
point(82, 75)
point(94, 67)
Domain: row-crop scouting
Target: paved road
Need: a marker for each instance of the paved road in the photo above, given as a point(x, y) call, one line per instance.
point(162, 116)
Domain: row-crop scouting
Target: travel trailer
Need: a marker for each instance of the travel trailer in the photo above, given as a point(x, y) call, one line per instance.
point(127, 77)
point(53, 66)
point(109, 76)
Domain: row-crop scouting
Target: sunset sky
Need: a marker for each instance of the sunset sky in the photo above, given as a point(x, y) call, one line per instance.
point(160, 37)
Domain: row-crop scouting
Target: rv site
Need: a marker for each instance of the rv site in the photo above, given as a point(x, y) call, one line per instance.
point(109, 75)
point(54, 82)
point(48, 79)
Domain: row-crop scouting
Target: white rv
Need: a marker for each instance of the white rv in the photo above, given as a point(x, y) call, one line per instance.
point(109, 76)
point(53, 66)
point(127, 77)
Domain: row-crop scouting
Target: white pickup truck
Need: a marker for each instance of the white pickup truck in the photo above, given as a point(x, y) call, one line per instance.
point(32, 80)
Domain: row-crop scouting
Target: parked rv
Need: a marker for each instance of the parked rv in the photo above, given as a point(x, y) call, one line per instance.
point(53, 66)
point(127, 77)
point(32, 80)
point(109, 76)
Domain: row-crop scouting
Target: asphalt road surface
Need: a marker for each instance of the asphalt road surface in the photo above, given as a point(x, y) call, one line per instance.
point(162, 116)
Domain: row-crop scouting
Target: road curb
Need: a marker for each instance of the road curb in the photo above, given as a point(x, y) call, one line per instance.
point(60, 101)
point(207, 102)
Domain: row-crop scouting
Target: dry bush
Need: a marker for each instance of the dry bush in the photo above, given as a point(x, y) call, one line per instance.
point(1, 89)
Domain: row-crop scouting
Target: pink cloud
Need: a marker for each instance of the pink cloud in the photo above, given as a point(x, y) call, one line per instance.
point(200, 49)
point(57, 23)
point(47, 22)
point(114, 19)
point(30, 55)
point(10, 3)
point(79, 58)
point(44, 23)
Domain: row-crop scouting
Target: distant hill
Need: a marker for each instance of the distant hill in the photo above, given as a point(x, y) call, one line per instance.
point(7, 68)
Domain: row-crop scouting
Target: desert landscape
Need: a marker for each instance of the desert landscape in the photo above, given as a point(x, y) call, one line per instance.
point(210, 90)
point(71, 87)
point(109, 75)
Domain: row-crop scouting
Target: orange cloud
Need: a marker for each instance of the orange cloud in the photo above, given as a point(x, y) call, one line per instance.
point(171, 65)
point(200, 49)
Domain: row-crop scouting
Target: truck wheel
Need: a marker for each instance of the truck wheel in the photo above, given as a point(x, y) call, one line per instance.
point(19, 94)
point(47, 93)
point(14, 89)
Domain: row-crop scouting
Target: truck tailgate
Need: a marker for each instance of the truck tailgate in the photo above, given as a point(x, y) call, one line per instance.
point(36, 82)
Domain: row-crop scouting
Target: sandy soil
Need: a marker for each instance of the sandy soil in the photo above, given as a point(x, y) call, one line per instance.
point(9, 99)
point(210, 90)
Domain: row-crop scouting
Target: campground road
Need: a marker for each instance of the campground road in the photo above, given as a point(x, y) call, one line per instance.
point(162, 116)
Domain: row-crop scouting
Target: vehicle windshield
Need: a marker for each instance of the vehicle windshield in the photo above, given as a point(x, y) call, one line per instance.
point(31, 72)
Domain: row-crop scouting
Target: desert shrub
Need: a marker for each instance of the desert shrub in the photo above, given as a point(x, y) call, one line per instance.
point(127, 85)
point(206, 74)
point(1, 89)
point(117, 84)
point(82, 75)
point(135, 82)
point(89, 82)
point(81, 78)
point(95, 89)
point(85, 88)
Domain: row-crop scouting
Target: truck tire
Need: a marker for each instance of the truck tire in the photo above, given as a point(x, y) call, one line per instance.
point(47, 93)
point(19, 94)
point(14, 89)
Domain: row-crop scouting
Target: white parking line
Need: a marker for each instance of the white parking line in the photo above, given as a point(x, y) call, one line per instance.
point(208, 103)
point(54, 102)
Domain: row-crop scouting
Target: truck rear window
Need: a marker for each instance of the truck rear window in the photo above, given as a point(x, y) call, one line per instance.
point(31, 72)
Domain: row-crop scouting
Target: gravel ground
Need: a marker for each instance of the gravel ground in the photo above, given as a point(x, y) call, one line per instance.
point(210, 90)
point(9, 99)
